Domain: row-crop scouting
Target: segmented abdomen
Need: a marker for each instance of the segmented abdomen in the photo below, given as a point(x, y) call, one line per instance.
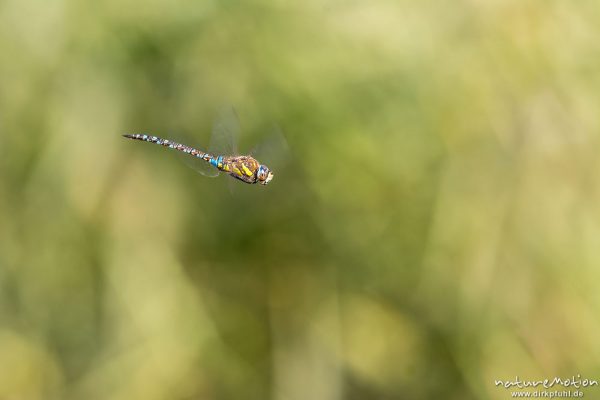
point(173, 145)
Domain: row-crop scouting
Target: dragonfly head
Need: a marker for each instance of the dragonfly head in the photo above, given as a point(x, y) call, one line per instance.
point(264, 175)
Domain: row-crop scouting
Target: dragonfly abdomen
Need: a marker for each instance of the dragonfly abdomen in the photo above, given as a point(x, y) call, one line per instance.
point(173, 145)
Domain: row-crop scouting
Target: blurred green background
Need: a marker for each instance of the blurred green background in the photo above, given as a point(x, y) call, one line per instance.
point(435, 225)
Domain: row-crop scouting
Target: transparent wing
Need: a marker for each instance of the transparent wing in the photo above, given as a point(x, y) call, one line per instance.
point(273, 151)
point(223, 141)
point(195, 163)
point(225, 133)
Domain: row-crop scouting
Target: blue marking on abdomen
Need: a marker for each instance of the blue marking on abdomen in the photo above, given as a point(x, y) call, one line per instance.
point(214, 161)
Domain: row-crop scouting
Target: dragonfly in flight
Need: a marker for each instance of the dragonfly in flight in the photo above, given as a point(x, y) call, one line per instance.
point(222, 156)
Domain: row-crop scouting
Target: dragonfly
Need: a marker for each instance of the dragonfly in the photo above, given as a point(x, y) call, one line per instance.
point(244, 168)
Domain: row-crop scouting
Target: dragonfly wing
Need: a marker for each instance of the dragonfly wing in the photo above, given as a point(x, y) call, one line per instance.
point(200, 166)
point(273, 151)
point(225, 133)
point(223, 141)
point(195, 163)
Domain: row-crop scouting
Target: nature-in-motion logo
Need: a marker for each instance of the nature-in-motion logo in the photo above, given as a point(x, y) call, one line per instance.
point(569, 387)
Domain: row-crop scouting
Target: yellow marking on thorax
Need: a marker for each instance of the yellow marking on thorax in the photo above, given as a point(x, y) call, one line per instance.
point(246, 170)
point(237, 171)
point(226, 168)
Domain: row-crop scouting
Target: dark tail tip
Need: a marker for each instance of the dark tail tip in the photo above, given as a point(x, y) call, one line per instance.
point(128, 136)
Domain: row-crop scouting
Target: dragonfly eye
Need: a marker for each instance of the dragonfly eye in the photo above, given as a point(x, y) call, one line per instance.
point(264, 175)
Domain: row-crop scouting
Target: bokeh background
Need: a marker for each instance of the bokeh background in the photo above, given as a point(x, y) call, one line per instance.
point(434, 226)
